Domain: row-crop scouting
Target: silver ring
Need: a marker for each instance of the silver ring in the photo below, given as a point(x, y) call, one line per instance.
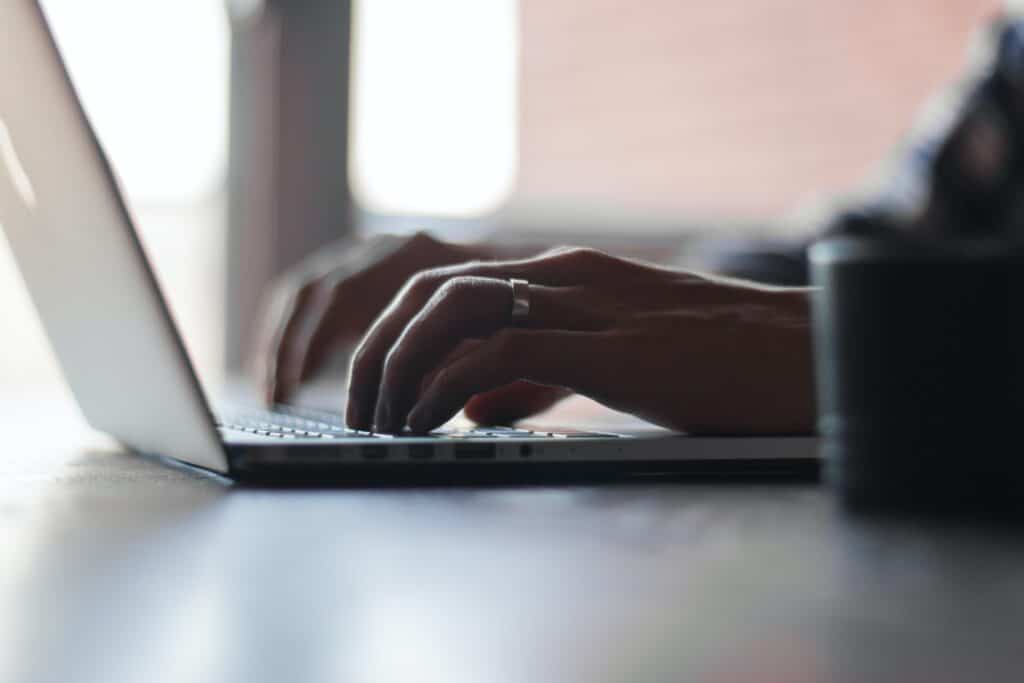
point(520, 299)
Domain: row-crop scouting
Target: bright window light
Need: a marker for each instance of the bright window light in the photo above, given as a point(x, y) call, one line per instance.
point(434, 105)
point(153, 78)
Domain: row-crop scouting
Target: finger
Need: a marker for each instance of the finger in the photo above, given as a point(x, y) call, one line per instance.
point(551, 357)
point(464, 308)
point(327, 326)
point(511, 403)
point(314, 328)
point(561, 267)
point(289, 319)
point(466, 346)
point(365, 368)
point(294, 355)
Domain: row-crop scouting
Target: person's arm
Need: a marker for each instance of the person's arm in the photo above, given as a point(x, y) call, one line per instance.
point(683, 350)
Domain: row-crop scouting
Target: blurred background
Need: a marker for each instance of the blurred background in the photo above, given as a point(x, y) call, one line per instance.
point(248, 133)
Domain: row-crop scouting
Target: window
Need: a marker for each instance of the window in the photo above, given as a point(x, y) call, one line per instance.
point(667, 110)
point(434, 105)
point(724, 109)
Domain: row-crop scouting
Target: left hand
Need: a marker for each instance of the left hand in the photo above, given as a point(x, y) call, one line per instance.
point(326, 303)
point(685, 351)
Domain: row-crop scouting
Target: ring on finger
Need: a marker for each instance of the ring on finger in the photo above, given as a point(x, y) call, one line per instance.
point(520, 300)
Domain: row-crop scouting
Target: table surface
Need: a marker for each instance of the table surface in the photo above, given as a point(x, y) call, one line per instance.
point(117, 568)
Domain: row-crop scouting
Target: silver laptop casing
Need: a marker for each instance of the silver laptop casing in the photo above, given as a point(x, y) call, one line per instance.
point(73, 241)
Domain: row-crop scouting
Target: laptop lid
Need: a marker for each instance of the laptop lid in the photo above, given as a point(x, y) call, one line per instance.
point(78, 253)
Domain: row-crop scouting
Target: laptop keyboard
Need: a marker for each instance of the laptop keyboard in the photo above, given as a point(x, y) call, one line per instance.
point(287, 422)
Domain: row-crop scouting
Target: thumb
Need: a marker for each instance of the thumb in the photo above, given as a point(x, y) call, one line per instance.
point(513, 402)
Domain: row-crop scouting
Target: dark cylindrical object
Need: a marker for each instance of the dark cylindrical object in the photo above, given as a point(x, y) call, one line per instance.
point(918, 352)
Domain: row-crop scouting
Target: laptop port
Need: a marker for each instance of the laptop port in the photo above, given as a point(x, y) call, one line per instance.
point(474, 451)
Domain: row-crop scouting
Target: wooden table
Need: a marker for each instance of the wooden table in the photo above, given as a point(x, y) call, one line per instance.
point(115, 568)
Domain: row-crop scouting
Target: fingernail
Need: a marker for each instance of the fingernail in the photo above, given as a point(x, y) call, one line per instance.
point(382, 418)
point(419, 418)
point(354, 415)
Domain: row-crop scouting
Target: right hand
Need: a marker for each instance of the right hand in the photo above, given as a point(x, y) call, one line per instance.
point(325, 305)
point(686, 351)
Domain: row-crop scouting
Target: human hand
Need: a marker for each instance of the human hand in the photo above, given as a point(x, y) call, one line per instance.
point(682, 350)
point(326, 303)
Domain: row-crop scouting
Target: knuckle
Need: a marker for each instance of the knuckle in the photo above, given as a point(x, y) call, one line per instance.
point(585, 255)
point(555, 252)
point(421, 238)
point(304, 300)
point(286, 294)
point(450, 300)
point(417, 283)
point(423, 284)
point(360, 361)
point(392, 367)
point(337, 284)
point(456, 289)
point(296, 281)
point(308, 288)
point(576, 256)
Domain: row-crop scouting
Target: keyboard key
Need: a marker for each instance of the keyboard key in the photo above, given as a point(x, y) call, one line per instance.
point(291, 422)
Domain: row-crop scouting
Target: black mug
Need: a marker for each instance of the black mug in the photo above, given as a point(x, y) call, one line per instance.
point(919, 351)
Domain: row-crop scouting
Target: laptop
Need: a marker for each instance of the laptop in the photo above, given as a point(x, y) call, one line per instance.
point(75, 244)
